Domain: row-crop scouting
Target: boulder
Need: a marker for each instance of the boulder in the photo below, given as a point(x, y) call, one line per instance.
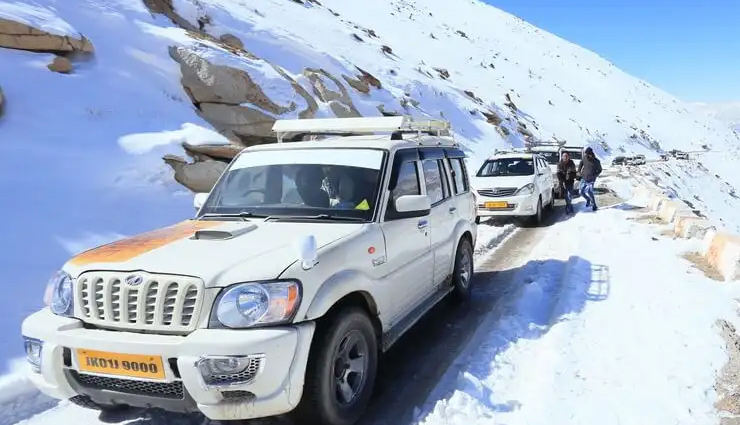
point(15, 35)
point(206, 152)
point(339, 102)
point(232, 41)
point(196, 176)
point(209, 83)
point(252, 126)
point(61, 65)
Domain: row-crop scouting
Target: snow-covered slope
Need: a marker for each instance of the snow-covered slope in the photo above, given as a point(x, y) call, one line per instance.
point(71, 179)
point(726, 111)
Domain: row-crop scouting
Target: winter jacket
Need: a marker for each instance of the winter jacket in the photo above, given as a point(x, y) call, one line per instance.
point(589, 168)
point(567, 172)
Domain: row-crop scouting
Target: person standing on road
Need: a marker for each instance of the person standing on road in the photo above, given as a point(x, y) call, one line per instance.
point(566, 178)
point(589, 169)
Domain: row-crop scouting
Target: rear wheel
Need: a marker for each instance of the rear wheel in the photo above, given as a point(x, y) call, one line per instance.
point(551, 204)
point(462, 276)
point(341, 370)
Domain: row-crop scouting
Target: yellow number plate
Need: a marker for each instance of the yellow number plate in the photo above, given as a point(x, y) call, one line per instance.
point(131, 365)
point(496, 204)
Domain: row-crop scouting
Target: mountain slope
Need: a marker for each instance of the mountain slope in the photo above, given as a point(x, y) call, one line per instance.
point(84, 150)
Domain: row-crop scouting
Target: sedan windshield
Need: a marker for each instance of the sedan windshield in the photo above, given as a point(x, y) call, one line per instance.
point(322, 184)
point(507, 167)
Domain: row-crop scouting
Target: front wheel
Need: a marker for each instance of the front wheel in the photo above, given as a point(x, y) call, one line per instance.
point(462, 276)
point(341, 370)
point(537, 217)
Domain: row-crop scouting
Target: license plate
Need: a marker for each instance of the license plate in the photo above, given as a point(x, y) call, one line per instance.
point(496, 204)
point(130, 365)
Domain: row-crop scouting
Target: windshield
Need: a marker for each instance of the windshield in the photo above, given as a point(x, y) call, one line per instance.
point(341, 183)
point(507, 167)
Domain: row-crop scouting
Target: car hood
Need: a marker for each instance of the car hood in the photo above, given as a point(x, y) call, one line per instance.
point(501, 181)
point(219, 252)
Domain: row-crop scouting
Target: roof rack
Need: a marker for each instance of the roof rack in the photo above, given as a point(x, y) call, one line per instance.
point(511, 150)
point(395, 125)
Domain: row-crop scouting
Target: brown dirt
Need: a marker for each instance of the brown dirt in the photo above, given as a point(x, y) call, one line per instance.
point(727, 385)
point(699, 262)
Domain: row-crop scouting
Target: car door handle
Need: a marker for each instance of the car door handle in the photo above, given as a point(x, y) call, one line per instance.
point(422, 224)
point(453, 209)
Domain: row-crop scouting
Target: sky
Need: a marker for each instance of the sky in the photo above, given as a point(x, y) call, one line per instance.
point(689, 49)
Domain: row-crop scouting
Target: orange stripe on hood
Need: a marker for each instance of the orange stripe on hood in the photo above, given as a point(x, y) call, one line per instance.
point(128, 248)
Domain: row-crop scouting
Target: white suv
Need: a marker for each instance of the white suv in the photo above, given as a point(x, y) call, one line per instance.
point(305, 261)
point(514, 184)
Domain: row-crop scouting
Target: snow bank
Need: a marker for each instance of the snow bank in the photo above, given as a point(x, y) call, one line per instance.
point(36, 16)
point(19, 399)
point(191, 133)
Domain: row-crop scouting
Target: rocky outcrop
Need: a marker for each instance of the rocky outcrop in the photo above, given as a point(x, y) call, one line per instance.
point(212, 152)
point(15, 35)
point(196, 176)
point(340, 102)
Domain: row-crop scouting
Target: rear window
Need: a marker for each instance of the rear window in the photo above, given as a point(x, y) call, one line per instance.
point(550, 157)
point(574, 154)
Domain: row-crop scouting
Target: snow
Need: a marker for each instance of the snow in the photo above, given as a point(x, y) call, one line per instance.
point(592, 338)
point(39, 17)
point(83, 158)
point(189, 133)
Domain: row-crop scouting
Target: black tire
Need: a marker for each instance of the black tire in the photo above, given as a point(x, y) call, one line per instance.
point(536, 219)
point(462, 275)
point(551, 205)
point(348, 336)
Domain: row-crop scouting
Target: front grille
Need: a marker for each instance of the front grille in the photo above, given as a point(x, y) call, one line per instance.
point(497, 192)
point(156, 302)
point(173, 390)
point(238, 378)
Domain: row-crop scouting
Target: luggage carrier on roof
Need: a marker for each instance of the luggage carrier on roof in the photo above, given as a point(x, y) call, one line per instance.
point(396, 126)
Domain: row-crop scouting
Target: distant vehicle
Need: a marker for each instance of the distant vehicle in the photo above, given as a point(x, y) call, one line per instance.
point(664, 157)
point(637, 160)
point(620, 160)
point(514, 184)
point(678, 154)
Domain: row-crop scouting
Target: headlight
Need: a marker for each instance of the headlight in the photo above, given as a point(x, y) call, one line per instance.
point(59, 294)
point(256, 303)
point(527, 189)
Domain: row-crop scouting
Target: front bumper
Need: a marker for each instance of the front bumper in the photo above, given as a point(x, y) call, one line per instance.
point(516, 206)
point(275, 389)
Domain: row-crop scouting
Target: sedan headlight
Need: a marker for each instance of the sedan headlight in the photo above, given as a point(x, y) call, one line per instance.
point(256, 303)
point(527, 189)
point(59, 294)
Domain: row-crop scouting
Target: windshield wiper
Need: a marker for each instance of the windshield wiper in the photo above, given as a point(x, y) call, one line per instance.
point(328, 217)
point(242, 214)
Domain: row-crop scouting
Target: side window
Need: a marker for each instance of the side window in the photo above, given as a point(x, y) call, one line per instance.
point(460, 179)
point(446, 191)
point(407, 182)
point(433, 180)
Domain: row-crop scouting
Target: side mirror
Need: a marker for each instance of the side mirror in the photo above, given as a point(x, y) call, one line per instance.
point(413, 204)
point(199, 200)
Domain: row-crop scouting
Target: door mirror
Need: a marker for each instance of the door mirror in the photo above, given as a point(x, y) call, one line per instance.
point(199, 200)
point(413, 204)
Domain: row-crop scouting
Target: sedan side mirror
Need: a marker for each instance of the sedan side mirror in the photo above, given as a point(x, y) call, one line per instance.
point(199, 200)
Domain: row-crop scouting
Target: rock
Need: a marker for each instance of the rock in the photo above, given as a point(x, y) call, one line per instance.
point(61, 65)
point(369, 78)
point(492, 117)
point(232, 40)
point(165, 7)
point(443, 73)
point(197, 176)
point(339, 102)
point(358, 85)
point(205, 152)
point(15, 35)
point(209, 83)
point(250, 125)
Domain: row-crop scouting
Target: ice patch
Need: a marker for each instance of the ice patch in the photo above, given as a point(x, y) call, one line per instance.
point(193, 134)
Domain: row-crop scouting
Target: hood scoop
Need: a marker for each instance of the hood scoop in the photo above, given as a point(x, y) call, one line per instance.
point(220, 235)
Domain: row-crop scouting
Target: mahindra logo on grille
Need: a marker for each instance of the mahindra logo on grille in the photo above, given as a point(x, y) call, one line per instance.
point(134, 280)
